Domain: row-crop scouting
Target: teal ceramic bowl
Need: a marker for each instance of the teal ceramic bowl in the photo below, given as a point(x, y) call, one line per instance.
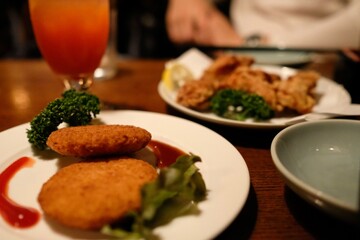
point(320, 161)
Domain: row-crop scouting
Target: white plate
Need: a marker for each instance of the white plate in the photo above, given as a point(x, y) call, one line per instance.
point(223, 168)
point(328, 94)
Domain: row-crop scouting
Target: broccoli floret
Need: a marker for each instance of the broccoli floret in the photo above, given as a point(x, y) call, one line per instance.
point(240, 105)
point(74, 108)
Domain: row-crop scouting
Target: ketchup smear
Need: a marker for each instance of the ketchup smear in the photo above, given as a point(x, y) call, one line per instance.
point(16, 215)
point(165, 154)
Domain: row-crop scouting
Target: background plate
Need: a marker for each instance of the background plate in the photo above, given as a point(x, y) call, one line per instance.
point(276, 57)
point(328, 94)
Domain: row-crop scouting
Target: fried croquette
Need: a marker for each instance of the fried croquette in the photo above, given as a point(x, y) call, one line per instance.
point(88, 195)
point(98, 140)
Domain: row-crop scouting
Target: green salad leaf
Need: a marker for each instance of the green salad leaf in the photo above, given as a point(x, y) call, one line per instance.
point(174, 193)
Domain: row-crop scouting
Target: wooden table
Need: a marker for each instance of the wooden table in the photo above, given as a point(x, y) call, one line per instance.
point(272, 210)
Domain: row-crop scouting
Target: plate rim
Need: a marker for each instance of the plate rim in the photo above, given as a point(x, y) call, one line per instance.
point(306, 57)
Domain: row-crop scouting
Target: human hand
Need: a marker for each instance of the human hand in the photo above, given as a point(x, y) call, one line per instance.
point(198, 21)
point(217, 31)
point(354, 55)
point(182, 17)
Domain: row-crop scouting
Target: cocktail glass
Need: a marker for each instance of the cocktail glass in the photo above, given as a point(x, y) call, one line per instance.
point(72, 37)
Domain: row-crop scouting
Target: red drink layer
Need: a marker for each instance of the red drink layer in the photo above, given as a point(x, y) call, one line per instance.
point(71, 34)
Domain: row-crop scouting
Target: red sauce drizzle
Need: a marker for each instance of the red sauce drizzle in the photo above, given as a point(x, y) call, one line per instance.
point(165, 154)
point(16, 215)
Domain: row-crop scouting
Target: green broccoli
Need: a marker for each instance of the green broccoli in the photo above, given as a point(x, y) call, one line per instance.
point(74, 108)
point(240, 105)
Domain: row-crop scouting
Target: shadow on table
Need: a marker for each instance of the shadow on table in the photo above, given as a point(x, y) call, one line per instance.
point(243, 225)
point(319, 224)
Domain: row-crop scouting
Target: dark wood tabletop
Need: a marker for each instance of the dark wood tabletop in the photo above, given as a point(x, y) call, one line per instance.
point(272, 210)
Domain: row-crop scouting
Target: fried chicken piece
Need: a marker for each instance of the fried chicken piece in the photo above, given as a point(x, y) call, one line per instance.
point(254, 81)
point(296, 92)
point(237, 72)
point(88, 195)
point(195, 94)
point(224, 65)
point(96, 140)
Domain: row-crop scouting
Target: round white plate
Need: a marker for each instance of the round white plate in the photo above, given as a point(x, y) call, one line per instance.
point(223, 168)
point(328, 94)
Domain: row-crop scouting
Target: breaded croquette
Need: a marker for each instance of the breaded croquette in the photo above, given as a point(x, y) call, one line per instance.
point(88, 195)
point(98, 140)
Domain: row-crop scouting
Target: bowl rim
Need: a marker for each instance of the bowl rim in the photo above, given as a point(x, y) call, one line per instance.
point(294, 182)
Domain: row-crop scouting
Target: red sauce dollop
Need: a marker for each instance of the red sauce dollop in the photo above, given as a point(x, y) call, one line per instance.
point(165, 154)
point(16, 215)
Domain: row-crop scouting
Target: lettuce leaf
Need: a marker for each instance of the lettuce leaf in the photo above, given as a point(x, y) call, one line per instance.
point(174, 193)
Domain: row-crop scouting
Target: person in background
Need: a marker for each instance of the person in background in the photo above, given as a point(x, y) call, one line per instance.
point(199, 22)
point(279, 23)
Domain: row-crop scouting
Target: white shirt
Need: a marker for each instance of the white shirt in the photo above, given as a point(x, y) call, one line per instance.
point(300, 23)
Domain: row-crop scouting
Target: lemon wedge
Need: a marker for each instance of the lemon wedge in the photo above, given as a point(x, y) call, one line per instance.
point(175, 75)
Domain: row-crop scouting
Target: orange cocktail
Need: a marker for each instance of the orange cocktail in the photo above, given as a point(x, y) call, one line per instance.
point(71, 34)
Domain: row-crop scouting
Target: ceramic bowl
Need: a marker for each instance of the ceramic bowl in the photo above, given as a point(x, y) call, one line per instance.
point(320, 161)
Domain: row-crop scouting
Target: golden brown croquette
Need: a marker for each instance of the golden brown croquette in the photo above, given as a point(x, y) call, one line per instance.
point(98, 140)
point(88, 195)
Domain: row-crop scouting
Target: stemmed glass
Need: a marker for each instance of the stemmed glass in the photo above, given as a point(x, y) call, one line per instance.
point(72, 37)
